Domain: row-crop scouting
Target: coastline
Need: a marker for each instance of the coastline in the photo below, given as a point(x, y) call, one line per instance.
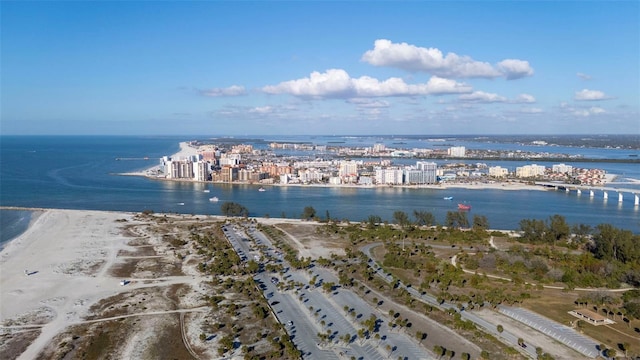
point(54, 272)
point(187, 150)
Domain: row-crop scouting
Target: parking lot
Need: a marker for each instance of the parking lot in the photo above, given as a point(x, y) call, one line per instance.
point(306, 310)
point(559, 332)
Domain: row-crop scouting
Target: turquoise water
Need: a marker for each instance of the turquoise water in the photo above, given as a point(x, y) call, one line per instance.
point(78, 173)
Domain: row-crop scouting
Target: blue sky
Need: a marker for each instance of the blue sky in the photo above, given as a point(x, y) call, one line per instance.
point(252, 68)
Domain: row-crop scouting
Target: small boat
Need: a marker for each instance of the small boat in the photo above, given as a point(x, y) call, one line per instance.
point(262, 189)
point(448, 197)
point(206, 190)
point(214, 199)
point(181, 204)
point(464, 207)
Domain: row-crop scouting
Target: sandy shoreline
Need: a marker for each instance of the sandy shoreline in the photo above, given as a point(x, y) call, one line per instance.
point(47, 272)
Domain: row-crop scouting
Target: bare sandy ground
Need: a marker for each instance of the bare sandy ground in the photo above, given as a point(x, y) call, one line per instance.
point(52, 274)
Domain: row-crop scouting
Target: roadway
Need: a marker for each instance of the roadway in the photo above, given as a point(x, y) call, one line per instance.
point(550, 328)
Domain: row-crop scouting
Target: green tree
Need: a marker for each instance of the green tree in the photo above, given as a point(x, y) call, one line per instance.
point(500, 329)
point(424, 218)
point(456, 219)
point(438, 350)
point(308, 213)
point(401, 218)
point(610, 353)
point(229, 208)
point(558, 229)
point(253, 267)
point(480, 222)
point(533, 230)
point(611, 243)
point(373, 220)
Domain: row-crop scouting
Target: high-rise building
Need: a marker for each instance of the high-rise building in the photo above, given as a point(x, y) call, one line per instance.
point(348, 169)
point(532, 170)
point(457, 151)
point(562, 168)
point(389, 176)
point(201, 170)
point(498, 171)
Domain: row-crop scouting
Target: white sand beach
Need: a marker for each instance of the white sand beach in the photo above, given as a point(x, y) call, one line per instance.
point(52, 273)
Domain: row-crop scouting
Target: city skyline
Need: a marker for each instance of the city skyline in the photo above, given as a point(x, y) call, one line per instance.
point(288, 68)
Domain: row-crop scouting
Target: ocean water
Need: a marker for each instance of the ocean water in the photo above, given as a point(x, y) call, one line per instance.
point(13, 223)
point(79, 172)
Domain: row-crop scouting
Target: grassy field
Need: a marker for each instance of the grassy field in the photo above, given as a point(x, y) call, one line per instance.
point(555, 304)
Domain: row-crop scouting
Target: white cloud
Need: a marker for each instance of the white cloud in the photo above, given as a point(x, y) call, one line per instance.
point(336, 83)
point(531, 110)
point(590, 95)
point(525, 99)
point(583, 76)
point(369, 103)
point(413, 58)
point(483, 97)
point(234, 90)
point(515, 69)
point(587, 112)
point(261, 109)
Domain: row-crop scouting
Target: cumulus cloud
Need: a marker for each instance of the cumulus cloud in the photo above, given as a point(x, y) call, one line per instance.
point(590, 95)
point(482, 97)
point(583, 76)
point(432, 60)
point(515, 69)
point(336, 83)
point(525, 99)
point(234, 90)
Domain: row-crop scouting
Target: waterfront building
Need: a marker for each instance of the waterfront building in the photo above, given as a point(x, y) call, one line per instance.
point(228, 174)
point(182, 169)
point(389, 176)
point(457, 151)
point(172, 169)
point(365, 180)
point(284, 179)
point(335, 180)
point(532, 170)
point(186, 169)
point(498, 171)
point(244, 175)
point(201, 170)
point(310, 175)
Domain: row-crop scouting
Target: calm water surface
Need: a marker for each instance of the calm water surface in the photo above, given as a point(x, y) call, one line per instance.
point(79, 173)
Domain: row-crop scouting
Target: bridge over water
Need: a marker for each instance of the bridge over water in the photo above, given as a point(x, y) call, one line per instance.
point(592, 190)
